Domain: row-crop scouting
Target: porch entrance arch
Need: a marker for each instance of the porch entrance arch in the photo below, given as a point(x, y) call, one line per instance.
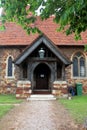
point(41, 72)
point(42, 75)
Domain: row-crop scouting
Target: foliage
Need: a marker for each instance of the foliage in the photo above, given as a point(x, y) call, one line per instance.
point(19, 12)
point(77, 107)
point(67, 12)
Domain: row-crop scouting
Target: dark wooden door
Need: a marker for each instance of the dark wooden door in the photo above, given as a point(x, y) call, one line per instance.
point(42, 77)
point(41, 81)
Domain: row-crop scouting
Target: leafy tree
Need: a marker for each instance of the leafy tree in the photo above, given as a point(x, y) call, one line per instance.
point(67, 12)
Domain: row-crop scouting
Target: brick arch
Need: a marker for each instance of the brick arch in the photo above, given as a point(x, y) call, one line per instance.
point(77, 52)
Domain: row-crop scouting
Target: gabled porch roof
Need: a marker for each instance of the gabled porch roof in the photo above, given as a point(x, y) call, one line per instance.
point(48, 43)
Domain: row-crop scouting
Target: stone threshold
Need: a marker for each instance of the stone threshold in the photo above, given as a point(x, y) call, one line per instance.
point(41, 97)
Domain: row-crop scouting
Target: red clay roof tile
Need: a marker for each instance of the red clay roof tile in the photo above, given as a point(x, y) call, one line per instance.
point(15, 35)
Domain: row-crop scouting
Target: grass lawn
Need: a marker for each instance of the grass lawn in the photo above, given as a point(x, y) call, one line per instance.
point(4, 109)
point(5, 100)
point(8, 99)
point(77, 107)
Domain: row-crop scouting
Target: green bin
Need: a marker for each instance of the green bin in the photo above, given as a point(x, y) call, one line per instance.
point(79, 88)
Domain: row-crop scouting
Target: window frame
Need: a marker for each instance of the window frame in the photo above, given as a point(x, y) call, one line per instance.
point(10, 77)
point(79, 66)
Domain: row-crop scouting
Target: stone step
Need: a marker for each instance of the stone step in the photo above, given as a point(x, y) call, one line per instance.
point(41, 97)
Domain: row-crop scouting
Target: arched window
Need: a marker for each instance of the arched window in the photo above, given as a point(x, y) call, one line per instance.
point(9, 67)
point(79, 69)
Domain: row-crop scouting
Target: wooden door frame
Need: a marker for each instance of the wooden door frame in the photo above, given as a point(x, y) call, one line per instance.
point(52, 77)
point(42, 69)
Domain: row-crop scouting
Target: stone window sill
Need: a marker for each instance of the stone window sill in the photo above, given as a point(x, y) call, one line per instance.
point(8, 77)
point(79, 78)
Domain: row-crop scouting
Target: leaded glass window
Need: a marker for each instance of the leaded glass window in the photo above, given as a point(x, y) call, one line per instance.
point(75, 66)
point(9, 71)
point(82, 66)
point(79, 69)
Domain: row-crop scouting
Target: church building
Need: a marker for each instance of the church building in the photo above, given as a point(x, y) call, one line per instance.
point(44, 63)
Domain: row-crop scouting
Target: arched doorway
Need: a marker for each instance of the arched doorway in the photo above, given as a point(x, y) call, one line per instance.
point(42, 76)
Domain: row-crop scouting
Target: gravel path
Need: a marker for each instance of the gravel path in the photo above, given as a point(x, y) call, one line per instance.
point(38, 115)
